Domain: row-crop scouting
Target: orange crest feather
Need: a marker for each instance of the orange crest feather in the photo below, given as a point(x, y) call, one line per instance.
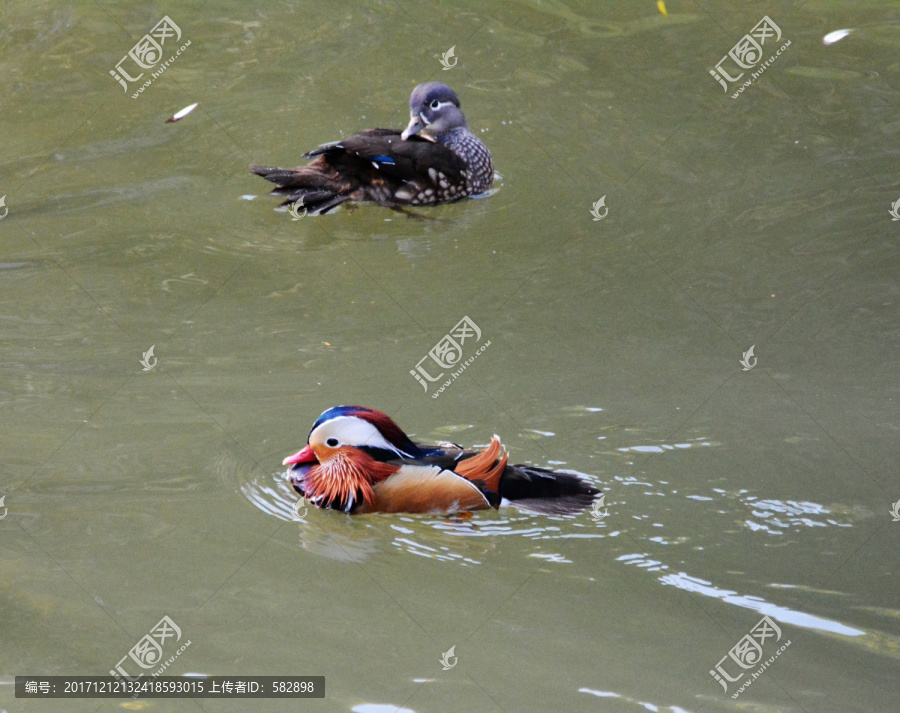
point(485, 466)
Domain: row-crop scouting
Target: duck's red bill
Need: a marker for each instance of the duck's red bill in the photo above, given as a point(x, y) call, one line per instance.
point(304, 456)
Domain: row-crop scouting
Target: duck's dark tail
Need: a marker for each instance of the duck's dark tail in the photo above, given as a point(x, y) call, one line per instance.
point(548, 492)
point(319, 191)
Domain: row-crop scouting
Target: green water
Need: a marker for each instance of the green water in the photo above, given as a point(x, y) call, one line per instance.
point(615, 350)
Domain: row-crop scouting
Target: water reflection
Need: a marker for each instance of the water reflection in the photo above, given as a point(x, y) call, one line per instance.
point(380, 708)
point(793, 514)
point(664, 447)
point(626, 699)
point(684, 581)
point(779, 613)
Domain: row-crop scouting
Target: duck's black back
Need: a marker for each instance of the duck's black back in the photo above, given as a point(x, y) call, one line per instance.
point(378, 165)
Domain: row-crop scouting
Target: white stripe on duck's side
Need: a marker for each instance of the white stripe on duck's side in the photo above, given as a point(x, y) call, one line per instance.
point(425, 489)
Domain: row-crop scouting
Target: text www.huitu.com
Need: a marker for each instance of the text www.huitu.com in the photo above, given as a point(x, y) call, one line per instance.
point(461, 369)
point(756, 674)
point(762, 68)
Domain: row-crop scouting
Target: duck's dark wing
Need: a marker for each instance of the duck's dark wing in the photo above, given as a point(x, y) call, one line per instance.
point(545, 491)
point(375, 165)
point(528, 487)
point(384, 152)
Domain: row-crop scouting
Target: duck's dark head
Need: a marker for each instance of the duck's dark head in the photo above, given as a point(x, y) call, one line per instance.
point(433, 110)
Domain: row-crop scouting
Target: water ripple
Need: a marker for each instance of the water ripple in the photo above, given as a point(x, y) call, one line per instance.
point(647, 706)
point(686, 582)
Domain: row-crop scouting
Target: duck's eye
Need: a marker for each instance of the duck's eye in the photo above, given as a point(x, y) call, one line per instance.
point(435, 103)
point(332, 442)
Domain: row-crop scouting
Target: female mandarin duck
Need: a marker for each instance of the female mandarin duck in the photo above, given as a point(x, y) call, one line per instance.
point(358, 460)
point(436, 159)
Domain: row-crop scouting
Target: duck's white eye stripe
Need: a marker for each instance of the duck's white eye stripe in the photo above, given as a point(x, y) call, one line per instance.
point(353, 431)
point(442, 104)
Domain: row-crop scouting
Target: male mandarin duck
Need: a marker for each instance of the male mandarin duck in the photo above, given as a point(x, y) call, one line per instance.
point(359, 461)
point(436, 159)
